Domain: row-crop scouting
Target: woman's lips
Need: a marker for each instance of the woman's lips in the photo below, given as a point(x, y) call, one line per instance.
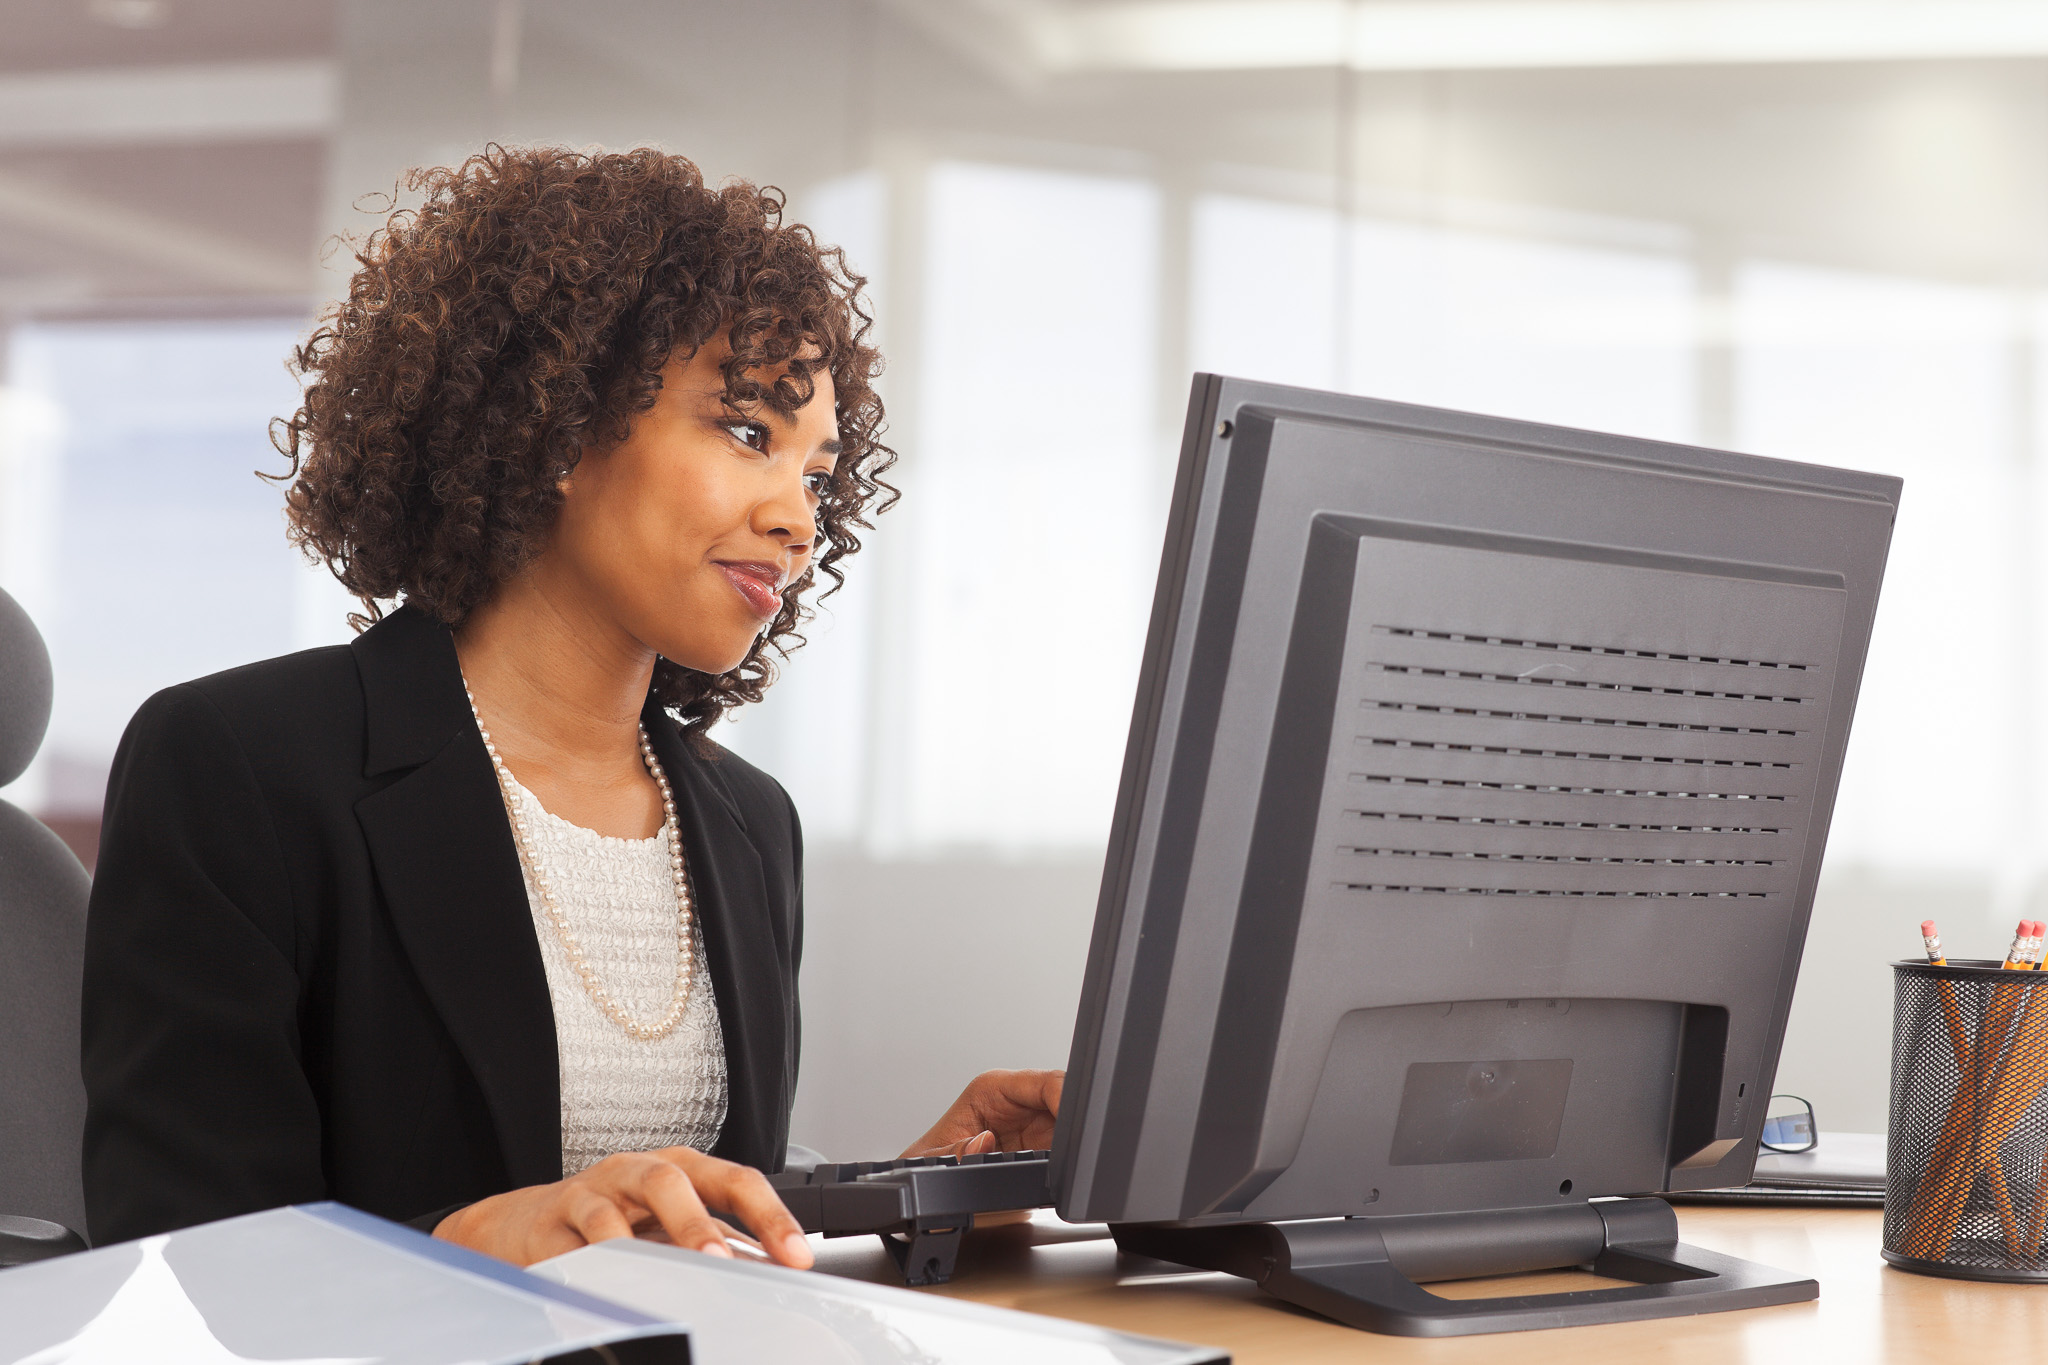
point(760, 585)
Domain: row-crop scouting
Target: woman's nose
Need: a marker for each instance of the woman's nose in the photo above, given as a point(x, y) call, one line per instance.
point(789, 517)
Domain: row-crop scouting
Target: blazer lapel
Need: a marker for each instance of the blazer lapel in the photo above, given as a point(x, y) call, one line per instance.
point(444, 856)
point(731, 897)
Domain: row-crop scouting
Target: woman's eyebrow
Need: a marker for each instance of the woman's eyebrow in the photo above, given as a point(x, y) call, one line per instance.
point(709, 396)
point(833, 447)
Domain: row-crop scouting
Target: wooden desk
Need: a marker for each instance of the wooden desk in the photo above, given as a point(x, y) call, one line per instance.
point(1866, 1312)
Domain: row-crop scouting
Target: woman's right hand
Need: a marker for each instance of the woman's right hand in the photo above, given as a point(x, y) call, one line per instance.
point(666, 1195)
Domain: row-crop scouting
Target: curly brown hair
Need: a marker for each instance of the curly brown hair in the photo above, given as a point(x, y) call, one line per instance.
point(522, 314)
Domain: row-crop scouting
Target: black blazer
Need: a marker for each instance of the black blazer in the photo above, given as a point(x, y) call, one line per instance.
point(311, 970)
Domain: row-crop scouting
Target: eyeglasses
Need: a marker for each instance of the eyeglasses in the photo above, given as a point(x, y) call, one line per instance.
point(1789, 1126)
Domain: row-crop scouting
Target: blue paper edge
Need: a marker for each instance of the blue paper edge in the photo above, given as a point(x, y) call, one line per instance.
point(417, 1243)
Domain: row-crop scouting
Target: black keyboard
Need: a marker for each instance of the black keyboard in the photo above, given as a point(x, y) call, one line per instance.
point(919, 1205)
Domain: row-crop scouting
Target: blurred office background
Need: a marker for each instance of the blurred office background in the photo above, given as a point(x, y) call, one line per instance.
point(1807, 228)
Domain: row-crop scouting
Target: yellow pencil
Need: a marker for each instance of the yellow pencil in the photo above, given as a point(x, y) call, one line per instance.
point(2013, 961)
point(1951, 1013)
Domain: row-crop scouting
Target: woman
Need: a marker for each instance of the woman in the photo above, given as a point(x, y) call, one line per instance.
point(469, 923)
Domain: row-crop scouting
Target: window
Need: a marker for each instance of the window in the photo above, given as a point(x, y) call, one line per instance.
point(1582, 335)
point(154, 553)
point(1916, 379)
point(1012, 585)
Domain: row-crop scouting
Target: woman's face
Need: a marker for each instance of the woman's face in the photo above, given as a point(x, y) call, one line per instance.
point(686, 533)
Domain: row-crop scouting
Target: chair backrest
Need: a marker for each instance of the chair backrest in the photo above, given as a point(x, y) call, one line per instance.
point(43, 890)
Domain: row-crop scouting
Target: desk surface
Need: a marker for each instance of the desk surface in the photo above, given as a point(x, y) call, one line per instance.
point(1866, 1311)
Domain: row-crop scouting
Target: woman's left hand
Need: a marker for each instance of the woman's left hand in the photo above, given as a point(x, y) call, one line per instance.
point(1006, 1111)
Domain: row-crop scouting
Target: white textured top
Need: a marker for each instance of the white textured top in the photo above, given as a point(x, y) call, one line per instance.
point(620, 1094)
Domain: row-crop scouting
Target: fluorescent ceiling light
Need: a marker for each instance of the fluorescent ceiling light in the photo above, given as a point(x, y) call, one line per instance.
point(214, 102)
point(139, 235)
point(1426, 35)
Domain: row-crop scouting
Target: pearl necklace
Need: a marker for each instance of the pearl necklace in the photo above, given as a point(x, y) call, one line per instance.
point(685, 958)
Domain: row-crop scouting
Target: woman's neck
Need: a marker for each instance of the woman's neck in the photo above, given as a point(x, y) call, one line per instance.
point(560, 690)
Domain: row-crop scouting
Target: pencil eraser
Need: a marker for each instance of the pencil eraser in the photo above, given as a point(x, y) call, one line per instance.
point(1927, 928)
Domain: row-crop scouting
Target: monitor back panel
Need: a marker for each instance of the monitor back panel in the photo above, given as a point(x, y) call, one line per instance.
point(1474, 804)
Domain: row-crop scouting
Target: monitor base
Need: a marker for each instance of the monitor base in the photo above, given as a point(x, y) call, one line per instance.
point(1362, 1271)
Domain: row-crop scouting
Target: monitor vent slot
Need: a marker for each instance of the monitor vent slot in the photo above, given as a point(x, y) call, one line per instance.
point(1551, 892)
point(1509, 821)
point(1689, 760)
point(1558, 858)
point(1549, 789)
point(1551, 718)
point(1460, 637)
point(1679, 780)
point(1534, 679)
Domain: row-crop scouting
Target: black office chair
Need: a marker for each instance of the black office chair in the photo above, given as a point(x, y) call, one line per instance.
point(43, 890)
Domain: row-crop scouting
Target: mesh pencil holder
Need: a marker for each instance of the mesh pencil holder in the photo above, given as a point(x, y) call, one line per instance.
point(1966, 1178)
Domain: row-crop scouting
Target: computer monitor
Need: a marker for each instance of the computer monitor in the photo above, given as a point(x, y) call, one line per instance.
point(1474, 802)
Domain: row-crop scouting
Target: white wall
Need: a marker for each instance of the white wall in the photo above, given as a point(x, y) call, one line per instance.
point(918, 975)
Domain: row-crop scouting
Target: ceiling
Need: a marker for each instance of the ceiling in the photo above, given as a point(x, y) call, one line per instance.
point(55, 35)
point(110, 201)
point(191, 155)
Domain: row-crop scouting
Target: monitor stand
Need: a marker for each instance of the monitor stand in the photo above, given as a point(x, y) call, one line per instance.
point(1363, 1271)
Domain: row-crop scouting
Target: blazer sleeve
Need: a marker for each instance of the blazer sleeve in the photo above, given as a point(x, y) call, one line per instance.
point(198, 1103)
point(796, 961)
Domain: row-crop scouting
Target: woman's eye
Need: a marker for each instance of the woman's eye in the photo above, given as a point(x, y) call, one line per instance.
point(751, 434)
point(819, 481)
